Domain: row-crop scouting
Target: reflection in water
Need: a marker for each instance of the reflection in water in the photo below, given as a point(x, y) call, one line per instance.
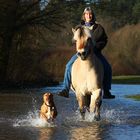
point(83, 133)
point(46, 133)
point(19, 117)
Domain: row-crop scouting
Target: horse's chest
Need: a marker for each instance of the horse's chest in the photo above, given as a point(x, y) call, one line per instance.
point(87, 84)
point(87, 77)
point(87, 80)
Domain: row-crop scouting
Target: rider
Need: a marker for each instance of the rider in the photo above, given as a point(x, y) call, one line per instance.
point(100, 37)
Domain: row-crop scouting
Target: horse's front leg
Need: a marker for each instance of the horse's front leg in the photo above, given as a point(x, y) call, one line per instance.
point(96, 101)
point(81, 103)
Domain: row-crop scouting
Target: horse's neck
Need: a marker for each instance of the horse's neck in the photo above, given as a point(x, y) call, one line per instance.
point(91, 60)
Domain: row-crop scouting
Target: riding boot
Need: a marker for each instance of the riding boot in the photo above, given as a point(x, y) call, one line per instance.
point(64, 93)
point(107, 95)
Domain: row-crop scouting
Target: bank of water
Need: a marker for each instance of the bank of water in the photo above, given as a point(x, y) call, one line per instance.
point(19, 116)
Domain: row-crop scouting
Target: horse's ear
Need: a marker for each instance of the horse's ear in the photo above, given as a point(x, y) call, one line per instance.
point(73, 30)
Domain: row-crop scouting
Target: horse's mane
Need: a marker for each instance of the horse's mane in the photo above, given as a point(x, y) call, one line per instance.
point(83, 31)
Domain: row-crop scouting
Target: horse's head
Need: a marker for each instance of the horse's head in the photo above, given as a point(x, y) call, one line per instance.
point(82, 38)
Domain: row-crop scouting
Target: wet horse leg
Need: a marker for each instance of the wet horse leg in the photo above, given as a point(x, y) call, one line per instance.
point(96, 100)
point(81, 103)
point(87, 100)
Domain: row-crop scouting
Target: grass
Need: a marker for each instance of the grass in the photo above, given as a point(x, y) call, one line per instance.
point(130, 79)
point(135, 97)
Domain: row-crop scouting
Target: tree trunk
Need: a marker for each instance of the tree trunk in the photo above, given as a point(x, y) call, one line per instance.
point(5, 54)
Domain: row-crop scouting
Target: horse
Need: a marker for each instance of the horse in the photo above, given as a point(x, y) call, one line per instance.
point(87, 73)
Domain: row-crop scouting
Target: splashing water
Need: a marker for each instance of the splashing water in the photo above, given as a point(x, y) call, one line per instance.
point(73, 117)
point(33, 120)
point(108, 115)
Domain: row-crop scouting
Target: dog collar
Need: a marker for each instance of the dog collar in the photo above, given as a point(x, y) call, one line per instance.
point(48, 105)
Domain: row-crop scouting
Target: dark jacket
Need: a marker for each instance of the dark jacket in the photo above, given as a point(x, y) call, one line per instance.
point(99, 36)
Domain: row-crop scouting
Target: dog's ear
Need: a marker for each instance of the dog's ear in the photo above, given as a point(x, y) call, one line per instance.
point(50, 94)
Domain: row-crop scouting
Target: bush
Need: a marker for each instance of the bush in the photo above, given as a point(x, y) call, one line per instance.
point(123, 50)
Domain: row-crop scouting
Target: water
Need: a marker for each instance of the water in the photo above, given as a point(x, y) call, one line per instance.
point(19, 116)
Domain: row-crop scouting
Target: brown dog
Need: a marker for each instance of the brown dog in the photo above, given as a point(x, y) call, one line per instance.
point(48, 110)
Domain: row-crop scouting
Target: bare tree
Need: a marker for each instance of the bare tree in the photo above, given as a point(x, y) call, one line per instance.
point(17, 16)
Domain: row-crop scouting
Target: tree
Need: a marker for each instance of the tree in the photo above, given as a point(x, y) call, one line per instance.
point(19, 15)
point(121, 12)
point(136, 11)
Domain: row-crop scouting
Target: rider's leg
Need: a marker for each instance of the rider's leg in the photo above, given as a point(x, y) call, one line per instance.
point(67, 78)
point(107, 77)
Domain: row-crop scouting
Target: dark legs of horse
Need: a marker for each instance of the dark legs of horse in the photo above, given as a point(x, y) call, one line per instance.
point(98, 105)
point(90, 103)
point(87, 100)
point(81, 102)
point(96, 101)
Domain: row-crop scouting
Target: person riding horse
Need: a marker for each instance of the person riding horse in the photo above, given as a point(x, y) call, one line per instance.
point(100, 38)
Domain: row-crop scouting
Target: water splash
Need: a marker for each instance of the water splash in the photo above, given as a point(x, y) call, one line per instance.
point(107, 114)
point(115, 115)
point(32, 120)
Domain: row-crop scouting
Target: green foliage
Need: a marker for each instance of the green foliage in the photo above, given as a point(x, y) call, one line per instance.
point(136, 11)
point(122, 12)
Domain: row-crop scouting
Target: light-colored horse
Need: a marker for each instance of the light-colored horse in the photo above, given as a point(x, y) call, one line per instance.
point(87, 73)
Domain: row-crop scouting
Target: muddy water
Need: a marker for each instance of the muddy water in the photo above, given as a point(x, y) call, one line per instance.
point(19, 116)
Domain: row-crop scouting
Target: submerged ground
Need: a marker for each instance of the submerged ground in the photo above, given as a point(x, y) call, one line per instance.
point(19, 116)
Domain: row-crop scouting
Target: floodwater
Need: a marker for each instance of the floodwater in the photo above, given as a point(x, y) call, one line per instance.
point(19, 116)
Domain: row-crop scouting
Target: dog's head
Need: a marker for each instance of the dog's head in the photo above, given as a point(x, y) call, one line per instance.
point(48, 98)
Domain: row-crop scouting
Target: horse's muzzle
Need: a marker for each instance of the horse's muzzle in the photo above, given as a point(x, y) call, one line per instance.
point(82, 55)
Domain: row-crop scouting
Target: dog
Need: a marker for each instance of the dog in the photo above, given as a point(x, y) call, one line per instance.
point(48, 110)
